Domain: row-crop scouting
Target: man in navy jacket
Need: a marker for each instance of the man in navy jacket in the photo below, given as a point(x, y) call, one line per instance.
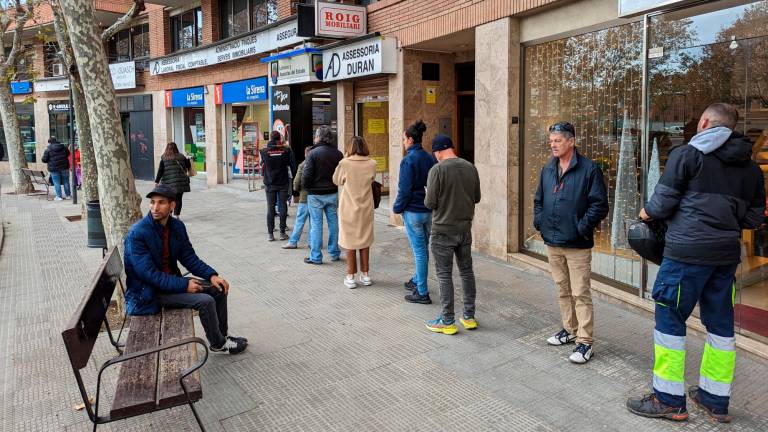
point(570, 202)
point(153, 247)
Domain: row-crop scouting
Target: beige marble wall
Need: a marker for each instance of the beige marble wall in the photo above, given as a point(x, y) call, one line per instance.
point(407, 104)
point(345, 109)
point(497, 96)
point(162, 126)
point(214, 154)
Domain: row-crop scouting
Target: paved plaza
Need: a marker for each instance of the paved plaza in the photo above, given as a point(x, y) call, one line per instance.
point(323, 357)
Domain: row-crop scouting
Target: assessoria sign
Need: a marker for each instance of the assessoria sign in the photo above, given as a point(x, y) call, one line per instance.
point(367, 57)
point(246, 46)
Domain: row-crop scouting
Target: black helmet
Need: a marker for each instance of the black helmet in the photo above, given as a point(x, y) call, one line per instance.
point(647, 239)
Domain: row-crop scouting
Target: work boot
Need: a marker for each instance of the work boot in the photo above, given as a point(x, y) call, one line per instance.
point(649, 406)
point(716, 415)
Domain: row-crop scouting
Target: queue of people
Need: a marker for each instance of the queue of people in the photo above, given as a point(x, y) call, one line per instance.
point(710, 190)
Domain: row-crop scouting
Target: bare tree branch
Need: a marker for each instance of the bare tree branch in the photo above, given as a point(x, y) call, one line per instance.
point(125, 21)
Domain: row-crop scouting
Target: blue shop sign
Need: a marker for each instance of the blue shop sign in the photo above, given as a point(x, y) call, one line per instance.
point(250, 90)
point(188, 97)
point(21, 87)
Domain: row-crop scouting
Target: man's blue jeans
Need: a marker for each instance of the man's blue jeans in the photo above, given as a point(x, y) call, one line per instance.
point(302, 213)
point(418, 227)
point(319, 204)
point(61, 178)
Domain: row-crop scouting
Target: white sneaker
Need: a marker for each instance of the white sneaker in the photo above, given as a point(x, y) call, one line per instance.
point(561, 338)
point(365, 280)
point(68, 197)
point(231, 346)
point(581, 354)
point(349, 282)
point(58, 199)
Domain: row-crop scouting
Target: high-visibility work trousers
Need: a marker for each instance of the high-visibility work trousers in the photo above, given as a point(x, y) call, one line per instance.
point(679, 286)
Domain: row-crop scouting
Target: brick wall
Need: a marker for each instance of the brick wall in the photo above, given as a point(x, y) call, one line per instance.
point(159, 33)
point(284, 8)
point(409, 21)
point(211, 21)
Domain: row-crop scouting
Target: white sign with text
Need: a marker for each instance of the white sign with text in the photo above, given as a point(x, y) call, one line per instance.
point(246, 46)
point(340, 20)
point(123, 75)
point(367, 57)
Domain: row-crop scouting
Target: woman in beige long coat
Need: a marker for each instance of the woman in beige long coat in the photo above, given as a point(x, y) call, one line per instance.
point(355, 174)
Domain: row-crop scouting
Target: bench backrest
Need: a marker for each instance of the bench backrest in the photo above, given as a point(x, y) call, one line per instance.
point(84, 326)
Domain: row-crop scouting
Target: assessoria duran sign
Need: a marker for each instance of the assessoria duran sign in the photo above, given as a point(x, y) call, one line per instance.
point(367, 57)
point(246, 46)
point(340, 20)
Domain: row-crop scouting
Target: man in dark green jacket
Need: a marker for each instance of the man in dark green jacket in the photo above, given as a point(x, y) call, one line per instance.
point(453, 189)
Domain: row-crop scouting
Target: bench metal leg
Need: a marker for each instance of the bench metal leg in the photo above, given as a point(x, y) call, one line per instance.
point(186, 373)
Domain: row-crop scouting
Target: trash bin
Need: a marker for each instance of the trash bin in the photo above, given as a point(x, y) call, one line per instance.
point(96, 236)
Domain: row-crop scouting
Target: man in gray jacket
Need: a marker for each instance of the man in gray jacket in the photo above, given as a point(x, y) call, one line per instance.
point(453, 189)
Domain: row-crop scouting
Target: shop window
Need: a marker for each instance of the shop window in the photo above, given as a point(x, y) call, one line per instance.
point(129, 44)
point(241, 16)
point(52, 60)
point(594, 81)
point(366, 2)
point(187, 30)
point(22, 70)
point(26, 116)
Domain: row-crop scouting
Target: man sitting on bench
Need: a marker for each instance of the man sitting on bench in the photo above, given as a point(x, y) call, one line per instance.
point(153, 247)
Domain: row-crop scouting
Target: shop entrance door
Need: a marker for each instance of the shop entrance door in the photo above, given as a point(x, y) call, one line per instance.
point(141, 145)
point(692, 66)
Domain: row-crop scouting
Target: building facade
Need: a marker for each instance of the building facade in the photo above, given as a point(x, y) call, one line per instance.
point(633, 77)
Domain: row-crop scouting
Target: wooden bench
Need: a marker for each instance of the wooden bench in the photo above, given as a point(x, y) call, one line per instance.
point(158, 365)
point(40, 178)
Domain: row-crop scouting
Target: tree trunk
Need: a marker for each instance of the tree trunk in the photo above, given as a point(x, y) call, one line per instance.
point(120, 204)
point(90, 176)
point(16, 157)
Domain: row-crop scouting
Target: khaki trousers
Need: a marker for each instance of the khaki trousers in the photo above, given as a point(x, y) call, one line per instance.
point(571, 270)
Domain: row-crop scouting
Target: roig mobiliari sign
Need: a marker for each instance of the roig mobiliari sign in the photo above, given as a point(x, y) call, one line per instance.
point(340, 20)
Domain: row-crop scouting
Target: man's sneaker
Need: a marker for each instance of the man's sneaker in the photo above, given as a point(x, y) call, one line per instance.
point(438, 325)
point(237, 338)
point(415, 297)
point(289, 246)
point(283, 236)
point(231, 346)
point(58, 199)
point(309, 261)
point(561, 338)
point(469, 323)
point(410, 285)
point(271, 237)
point(581, 354)
point(649, 406)
point(365, 280)
point(716, 415)
point(336, 258)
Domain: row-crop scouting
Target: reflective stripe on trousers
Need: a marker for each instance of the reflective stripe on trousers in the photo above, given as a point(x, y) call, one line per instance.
point(718, 364)
point(669, 363)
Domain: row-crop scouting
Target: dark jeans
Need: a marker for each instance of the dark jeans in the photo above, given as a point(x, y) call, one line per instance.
point(279, 197)
point(444, 247)
point(177, 210)
point(212, 306)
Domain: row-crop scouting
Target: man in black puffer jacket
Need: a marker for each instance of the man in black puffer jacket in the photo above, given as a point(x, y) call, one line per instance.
point(710, 191)
point(57, 158)
point(322, 195)
point(276, 160)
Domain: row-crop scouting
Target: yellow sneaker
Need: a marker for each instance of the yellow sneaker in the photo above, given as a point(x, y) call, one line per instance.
point(468, 323)
point(439, 326)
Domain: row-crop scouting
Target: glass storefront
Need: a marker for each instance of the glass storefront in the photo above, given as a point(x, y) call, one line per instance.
point(715, 52)
point(565, 80)
point(26, 116)
point(709, 56)
point(249, 123)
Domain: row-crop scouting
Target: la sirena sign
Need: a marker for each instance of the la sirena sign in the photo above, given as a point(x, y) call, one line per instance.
point(340, 20)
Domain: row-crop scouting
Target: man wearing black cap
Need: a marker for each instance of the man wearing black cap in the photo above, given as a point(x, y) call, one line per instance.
point(153, 248)
point(453, 189)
